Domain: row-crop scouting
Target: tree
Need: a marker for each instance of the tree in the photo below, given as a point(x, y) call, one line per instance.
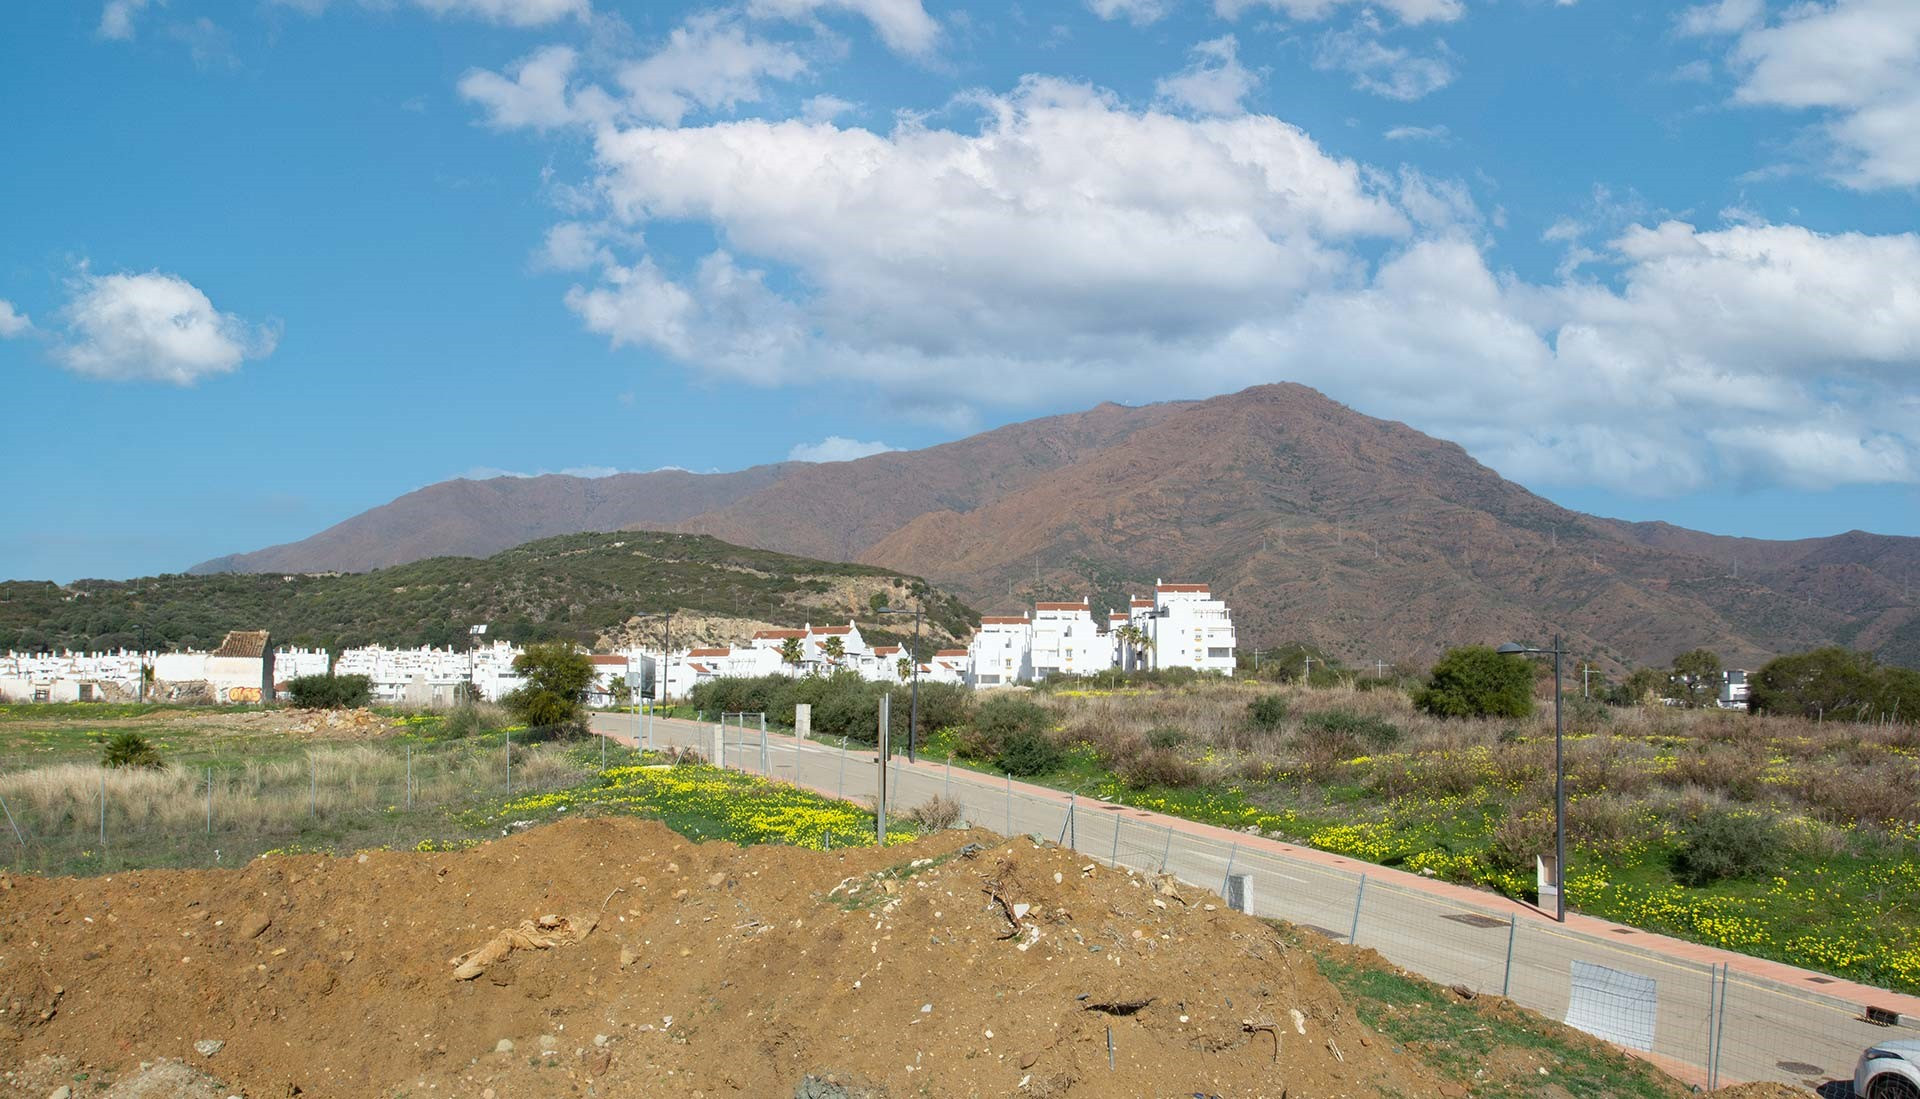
point(903, 667)
point(835, 649)
point(1830, 681)
point(791, 653)
point(1696, 677)
point(557, 677)
point(1475, 681)
point(1136, 641)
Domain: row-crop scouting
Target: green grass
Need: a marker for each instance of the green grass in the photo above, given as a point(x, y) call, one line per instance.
point(1491, 1047)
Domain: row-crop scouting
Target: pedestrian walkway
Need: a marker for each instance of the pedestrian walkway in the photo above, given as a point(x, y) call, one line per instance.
point(1708, 1016)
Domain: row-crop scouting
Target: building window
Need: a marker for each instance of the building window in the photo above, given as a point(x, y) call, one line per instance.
point(1219, 654)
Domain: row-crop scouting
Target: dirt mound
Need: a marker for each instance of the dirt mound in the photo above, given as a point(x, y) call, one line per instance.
point(708, 970)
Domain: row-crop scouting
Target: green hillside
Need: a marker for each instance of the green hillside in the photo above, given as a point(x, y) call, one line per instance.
point(584, 587)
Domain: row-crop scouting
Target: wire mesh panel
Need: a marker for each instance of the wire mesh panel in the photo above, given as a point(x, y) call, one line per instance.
point(1613, 1005)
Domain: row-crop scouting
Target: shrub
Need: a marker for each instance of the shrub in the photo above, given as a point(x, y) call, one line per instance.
point(1725, 769)
point(1830, 682)
point(557, 677)
point(1267, 712)
point(330, 692)
point(1518, 839)
point(936, 814)
point(1722, 843)
point(1029, 752)
point(1159, 768)
point(130, 749)
point(1165, 739)
point(999, 718)
point(1475, 681)
point(1344, 726)
point(467, 720)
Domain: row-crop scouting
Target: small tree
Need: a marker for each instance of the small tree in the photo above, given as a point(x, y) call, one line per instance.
point(1475, 681)
point(1696, 677)
point(791, 654)
point(130, 749)
point(903, 667)
point(1826, 681)
point(835, 649)
point(557, 677)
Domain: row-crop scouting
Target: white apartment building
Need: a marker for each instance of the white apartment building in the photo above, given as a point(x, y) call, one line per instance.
point(1066, 642)
point(1187, 628)
point(947, 666)
point(1001, 651)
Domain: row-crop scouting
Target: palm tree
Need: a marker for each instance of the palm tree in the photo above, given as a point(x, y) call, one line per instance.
point(1136, 641)
point(790, 653)
point(835, 650)
point(904, 668)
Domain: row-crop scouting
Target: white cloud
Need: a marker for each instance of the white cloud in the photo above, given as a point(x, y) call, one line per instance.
point(710, 62)
point(1418, 133)
point(12, 322)
point(1722, 17)
point(1407, 11)
point(1069, 248)
point(516, 13)
point(1391, 71)
point(154, 327)
point(836, 448)
point(1858, 62)
point(903, 25)
point(1138, 12)
point(116, 18)
point(488, 473)
point(825, 108)
point(1214, 83)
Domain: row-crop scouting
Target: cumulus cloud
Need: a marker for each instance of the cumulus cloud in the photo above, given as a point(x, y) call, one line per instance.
point(903, 25)
point(1407, 11)
point(1856, 62)
point(12, 321)
point(1138, 12)
point(710, 62)
point(1721, 17)
point(516, 13)
point(1418, 133)
point(153, 327)
point(836, 448)
point(116, 18)
point(1067, 247)
point(1215, 83)
point(1391, 71)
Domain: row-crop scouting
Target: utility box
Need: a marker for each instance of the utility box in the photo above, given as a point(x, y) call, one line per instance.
point(802, 719)
point(1547, 872)
point(1240, 892)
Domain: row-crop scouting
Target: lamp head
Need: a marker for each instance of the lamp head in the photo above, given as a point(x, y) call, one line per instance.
point(1512, 649)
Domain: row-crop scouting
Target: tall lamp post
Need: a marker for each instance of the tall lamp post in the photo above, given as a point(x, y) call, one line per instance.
point(1559, 775)
point(913, 713)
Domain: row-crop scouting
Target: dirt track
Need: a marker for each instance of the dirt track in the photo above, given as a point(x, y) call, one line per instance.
point(715, 971)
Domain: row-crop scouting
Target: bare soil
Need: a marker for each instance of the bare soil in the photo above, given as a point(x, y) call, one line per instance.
point(708, 970)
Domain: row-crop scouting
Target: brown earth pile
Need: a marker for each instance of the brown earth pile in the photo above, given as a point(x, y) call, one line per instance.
point(708, 970)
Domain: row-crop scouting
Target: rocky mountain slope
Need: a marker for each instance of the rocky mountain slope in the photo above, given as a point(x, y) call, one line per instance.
point(1320, 524)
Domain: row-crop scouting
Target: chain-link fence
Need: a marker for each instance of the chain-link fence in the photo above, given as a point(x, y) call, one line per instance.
point(1701, 1020)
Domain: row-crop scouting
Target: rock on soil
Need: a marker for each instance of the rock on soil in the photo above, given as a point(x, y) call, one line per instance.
point(767, 971)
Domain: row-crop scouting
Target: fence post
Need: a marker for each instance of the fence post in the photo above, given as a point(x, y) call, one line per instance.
point(103, 808)
point(949, 774)
point(1167, 850)
point(13, 824)
point(840, 792)
point(1231, 855)
point(509, 754)
point(409, 778)
point(313, 787)
point(603, 752)
point(1359, 895)
point(1114, 859)
point(1513, 928)
point(209, 801)
point(766, 764)
point(1718, 1018)
point(1009, 806)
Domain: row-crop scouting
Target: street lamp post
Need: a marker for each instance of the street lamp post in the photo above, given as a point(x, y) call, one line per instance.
point(913, 713)
point(1559, 776)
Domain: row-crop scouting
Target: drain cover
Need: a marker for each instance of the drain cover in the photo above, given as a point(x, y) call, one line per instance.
point(1799, 1068)
point(1820, 980)
point(1474, 919)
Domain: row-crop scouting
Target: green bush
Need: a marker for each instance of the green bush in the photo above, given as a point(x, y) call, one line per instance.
point(1724, 843)
point(130, 749)
point(557, 677)
point(1158, 768)
point(1165, 739)
point(1342, 725)
point(330, 692)
point(1002, 717)
point(1029, 752)
point(1267, 712)
point(1475, 681)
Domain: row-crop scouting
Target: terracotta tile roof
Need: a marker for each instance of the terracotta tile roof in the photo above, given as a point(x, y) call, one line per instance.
point(1182, 587)
point(885, 650)
point(778, 635)
point(702, 669)
point(243, 643)
point(1005, 620)
point(604, 660)
point(1117, 616)
point(1143, 602)
point(951, 652)
point(710, 652)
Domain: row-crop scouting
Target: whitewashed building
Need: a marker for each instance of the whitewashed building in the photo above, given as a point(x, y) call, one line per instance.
point(1187, 628)
point(1001, 651)
point(1066, 642)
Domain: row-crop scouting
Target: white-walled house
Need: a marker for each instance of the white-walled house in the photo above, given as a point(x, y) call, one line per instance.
point(1066, 642)
point(1187, 628)
point(948, 666)
point(1001, 651)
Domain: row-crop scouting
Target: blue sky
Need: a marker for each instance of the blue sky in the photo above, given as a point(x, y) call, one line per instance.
point(266, 264)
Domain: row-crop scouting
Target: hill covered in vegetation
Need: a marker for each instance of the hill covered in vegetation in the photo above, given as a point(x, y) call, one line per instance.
point(597, 589)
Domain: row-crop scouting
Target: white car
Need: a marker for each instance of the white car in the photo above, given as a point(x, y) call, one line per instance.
point(1889, 1070)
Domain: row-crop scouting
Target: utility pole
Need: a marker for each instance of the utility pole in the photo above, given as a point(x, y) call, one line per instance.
point(474, 633)
point(1306, 678)
point(1379, 669)
point(1585, 670)
point(913, 715)
point(880, 802)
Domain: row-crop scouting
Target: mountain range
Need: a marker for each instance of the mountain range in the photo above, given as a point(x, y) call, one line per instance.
point(1318, 524)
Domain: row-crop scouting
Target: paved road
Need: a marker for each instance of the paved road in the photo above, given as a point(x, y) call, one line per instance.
point(1766, 1028)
